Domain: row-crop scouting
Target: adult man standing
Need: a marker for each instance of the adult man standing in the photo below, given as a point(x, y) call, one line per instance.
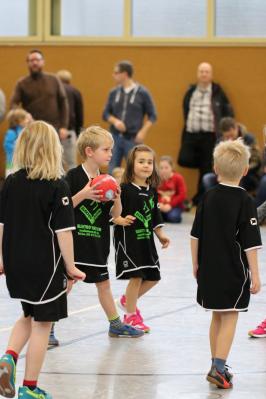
point(2, 105)
point(42, 95)
point(130, 112)
point(204, 105)
point(75, 105)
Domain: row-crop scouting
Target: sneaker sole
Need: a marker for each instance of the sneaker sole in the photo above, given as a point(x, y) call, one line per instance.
point(6, 389)
point(257, 335)
point(124, 336)
point(217, 383)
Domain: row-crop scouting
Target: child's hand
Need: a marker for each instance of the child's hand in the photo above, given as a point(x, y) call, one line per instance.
point(2, 270)
point(70, 284)
point(195, 270)
point(75, 274)
point(255, 284)
point(126, 221)
point(164, 240)
point(91, 192)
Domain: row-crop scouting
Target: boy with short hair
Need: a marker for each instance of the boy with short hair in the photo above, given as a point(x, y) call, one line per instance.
point(92, 235)
point(224, 240)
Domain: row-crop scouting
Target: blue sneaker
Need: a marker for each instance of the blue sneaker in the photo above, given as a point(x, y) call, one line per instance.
point(125, 332)
point(26, 393)
point(7, 376)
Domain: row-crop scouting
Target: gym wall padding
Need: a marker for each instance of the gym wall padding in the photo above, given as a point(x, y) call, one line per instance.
point(165, 71)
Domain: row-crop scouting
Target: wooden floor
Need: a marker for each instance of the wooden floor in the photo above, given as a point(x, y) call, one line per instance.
point(169, 363)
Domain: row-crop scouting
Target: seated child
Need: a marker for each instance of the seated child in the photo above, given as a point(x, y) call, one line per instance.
point(171, 192)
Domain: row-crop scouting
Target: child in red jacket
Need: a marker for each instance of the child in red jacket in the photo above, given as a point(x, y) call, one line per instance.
point(172, 191)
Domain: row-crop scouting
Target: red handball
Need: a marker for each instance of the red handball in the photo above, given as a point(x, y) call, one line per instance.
point(108, 185)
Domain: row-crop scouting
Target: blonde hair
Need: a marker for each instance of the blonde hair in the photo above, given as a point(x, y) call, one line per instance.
point(64, 75)
point(92, 137)
point(16, 116)
point(39, 151)
point(168, 159)
point(231, 158)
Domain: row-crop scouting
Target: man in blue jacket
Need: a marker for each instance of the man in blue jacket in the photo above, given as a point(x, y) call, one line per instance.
point(129, 110)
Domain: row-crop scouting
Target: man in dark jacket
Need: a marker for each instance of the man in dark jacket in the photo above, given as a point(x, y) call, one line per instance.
point(75, 105)
point(130, 112)
point(204, 105)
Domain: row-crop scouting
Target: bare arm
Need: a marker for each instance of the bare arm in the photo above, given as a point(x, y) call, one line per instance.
point(142, 133)
point(252, 257)
point(194, 246)
point(116, 208)
point(164, 240)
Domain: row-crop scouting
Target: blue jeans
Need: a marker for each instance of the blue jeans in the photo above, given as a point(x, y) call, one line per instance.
point(173, 216)
point(261, 192)
point(122, 146)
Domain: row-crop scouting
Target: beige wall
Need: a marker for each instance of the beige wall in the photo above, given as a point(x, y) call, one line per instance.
point(166, 71)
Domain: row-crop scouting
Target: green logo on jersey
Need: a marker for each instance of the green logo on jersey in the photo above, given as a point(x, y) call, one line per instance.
point(91, 215)
point(145, 217)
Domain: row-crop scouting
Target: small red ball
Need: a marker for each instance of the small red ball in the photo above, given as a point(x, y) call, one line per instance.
point(108, 185)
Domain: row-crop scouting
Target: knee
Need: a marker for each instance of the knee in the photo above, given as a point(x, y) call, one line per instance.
point(103, 286)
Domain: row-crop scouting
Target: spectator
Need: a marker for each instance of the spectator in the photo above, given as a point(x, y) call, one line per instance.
point(42, 95)
point(204, 105)
point(171, 192)
point(17, 119)
point(126, 109)
point(231, 130)
point(75, 105)
point(2, 105)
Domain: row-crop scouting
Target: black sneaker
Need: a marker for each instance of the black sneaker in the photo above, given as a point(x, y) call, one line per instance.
point(219, 379)
point(227, 373)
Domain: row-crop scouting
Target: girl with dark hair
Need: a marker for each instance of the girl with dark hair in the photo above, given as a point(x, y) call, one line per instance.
point(136, 255)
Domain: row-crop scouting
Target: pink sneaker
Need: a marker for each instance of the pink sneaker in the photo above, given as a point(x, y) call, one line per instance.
point(260, 331)
point(122, 305)
point(135, 321)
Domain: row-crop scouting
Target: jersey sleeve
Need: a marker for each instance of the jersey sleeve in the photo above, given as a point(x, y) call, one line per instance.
point(197, 224)
point(69, 178)
point(157, 220)
point(63, 212)
point(249, 232)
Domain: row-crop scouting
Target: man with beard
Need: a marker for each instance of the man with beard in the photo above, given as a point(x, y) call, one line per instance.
point(42, 95)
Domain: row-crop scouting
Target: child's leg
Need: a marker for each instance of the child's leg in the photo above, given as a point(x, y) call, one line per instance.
point(20, 334)
point(117, 328)
point(146, 286)
point(18, 338)
point(36, 349)
point(106, 298)
point(132, 294)
point(214, 331)
point(226, 334)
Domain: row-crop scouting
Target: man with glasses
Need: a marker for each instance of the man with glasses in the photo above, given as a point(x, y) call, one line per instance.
point(42, 95)
point(130, 112)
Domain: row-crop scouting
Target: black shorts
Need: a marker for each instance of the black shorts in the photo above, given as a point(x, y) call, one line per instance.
point(147, 274)
point(94, 274)
point(51, 311)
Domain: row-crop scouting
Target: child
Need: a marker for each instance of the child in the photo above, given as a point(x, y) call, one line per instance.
point(136, 255)
point(36, 219)
point(92, 235)
point(117, 173)
point(17, 119)
point(171, 192)
point(224, 240)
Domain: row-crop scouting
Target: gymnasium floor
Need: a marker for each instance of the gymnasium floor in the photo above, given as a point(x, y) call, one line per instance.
point(170, 363)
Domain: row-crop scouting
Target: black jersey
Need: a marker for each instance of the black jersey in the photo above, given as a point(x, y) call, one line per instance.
point(134, 245)
point(226, 226)
point(32, 212)
point(92, 234)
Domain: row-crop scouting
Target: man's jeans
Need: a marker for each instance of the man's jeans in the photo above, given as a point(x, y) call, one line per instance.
point(122, 146)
